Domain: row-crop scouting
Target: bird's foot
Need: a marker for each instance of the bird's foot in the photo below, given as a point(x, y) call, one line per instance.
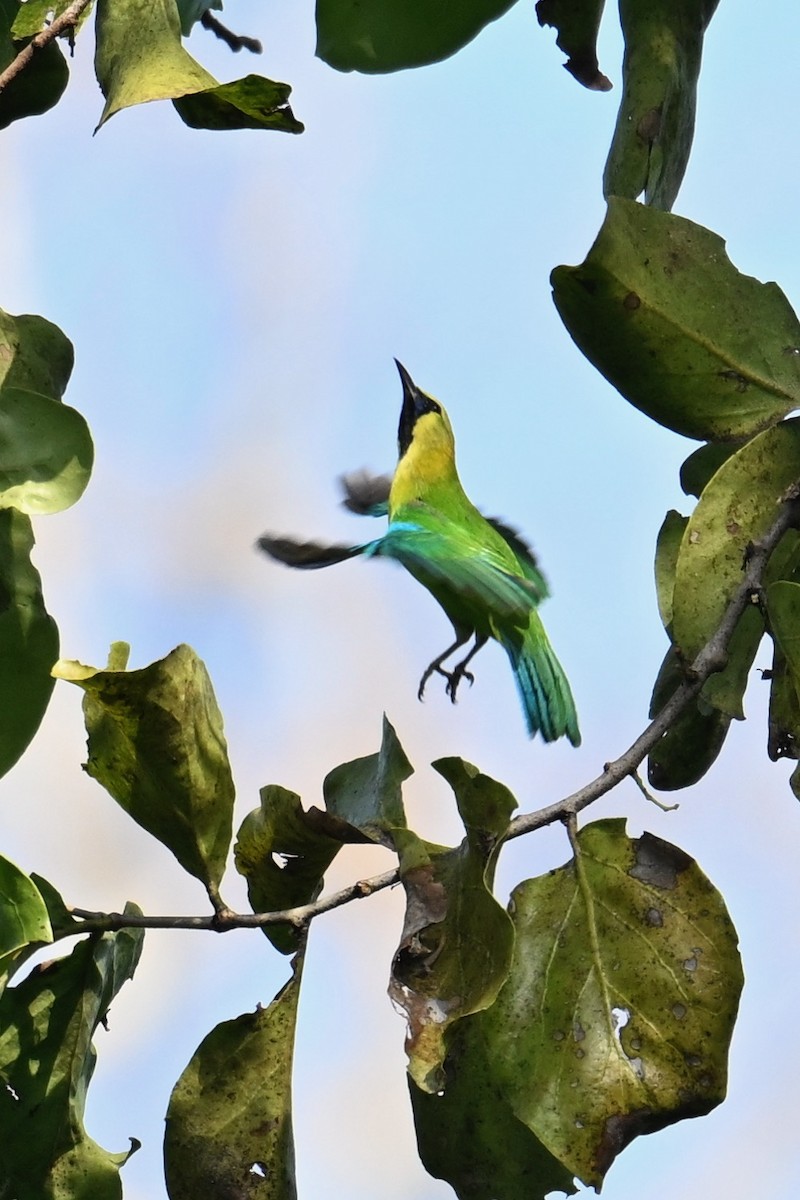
point(435, 668)
point(454, 678)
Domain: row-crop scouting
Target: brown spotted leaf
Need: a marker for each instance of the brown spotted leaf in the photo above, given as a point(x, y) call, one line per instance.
point(620, 1004)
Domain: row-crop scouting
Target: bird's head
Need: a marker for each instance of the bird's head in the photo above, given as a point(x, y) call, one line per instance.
point(423, 422)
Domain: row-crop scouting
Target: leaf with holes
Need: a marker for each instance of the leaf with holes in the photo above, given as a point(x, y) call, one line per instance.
point(457, 941)
point(229, 1121)
point(283, 855)
point(619, 1008)
point(467, 1132)
point(46, 1064)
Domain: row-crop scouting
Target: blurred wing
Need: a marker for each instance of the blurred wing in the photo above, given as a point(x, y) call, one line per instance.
point(306, 555)
point(448, 560)
point(366, 494)
point(527, 559)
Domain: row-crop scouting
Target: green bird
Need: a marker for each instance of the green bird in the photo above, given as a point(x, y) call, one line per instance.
point(481, 572)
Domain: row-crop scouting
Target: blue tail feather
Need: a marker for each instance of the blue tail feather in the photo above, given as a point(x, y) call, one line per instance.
point(543, 688)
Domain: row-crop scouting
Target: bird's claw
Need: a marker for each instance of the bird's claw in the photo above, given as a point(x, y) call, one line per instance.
point(454, 678)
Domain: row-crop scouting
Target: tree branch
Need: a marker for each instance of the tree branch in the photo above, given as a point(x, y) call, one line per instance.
point(68, 20)
point(712, 658)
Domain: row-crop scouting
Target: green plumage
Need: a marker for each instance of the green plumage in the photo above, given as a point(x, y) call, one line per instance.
point(480, 571)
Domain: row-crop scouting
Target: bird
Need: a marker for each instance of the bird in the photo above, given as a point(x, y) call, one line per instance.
point(480, 570)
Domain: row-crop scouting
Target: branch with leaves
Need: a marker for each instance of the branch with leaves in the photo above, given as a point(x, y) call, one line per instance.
point(600, 1003)
point(712, 658)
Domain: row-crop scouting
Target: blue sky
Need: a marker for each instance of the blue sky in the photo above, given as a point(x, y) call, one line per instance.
point(236, 301)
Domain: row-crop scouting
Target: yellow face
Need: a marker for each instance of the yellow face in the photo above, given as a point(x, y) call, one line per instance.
point(429, 458)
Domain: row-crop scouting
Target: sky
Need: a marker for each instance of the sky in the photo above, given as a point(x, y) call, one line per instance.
point(236, 301)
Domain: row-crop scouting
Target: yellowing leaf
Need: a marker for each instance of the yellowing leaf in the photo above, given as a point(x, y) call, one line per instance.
point(620, 1004)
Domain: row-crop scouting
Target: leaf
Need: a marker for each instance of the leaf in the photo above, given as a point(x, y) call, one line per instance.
point(190, 11)
point(783, 739)
point(619, 1008)
point(725, 690)
point(249, 103)
point(644, 308)
point(468, 1135)
point(693, 741)
point(229, 1121)
point(655, 124)
point(457, 941)
point(783, 608)
point(24, 920)
point(34, 15)
point(283, 856)
point(376, 36)
point(140, 57)
point(28, 640)
point(577, 22)
point(156, 744)
point(40, 85)
point(46, 1062)
point(367, 792)
point(35, 356)
point(702, 464)
point(737, 507)
point(667, 546)
point(46, 453)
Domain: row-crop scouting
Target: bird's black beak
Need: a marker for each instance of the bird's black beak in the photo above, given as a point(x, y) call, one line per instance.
point(415, 403)
point(408, 413)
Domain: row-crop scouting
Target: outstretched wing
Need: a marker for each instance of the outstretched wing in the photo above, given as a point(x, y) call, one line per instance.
point(366, 494)
point(306, 555)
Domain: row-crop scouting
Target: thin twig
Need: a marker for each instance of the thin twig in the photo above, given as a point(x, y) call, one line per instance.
point(99, 922)
point(648, 795)
point(712, 658)
point(68, 20)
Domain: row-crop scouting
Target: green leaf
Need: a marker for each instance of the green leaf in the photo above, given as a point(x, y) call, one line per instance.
point(35, 356)
point(468, 1135)
point(645, 310)
point(34, 15)
point(41, 83)
point(367, 792)
point(783, 608)
point(667, 546)
point(249, 103)
point(375, 36)
point(737, 507)
point(577, 22)
point(46, 453)
point(229, 1122)
point(28, 640)
point(457, 941)
point(620, 1005)
point(783, 739)
point(283, 855)
point(702, 464)
point(655, 124)
point(156, 744)
point(24, 920)
point(190, 11)
point(46, 1063)
point(725, 690)
point(693, 741)
point(140, 57)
